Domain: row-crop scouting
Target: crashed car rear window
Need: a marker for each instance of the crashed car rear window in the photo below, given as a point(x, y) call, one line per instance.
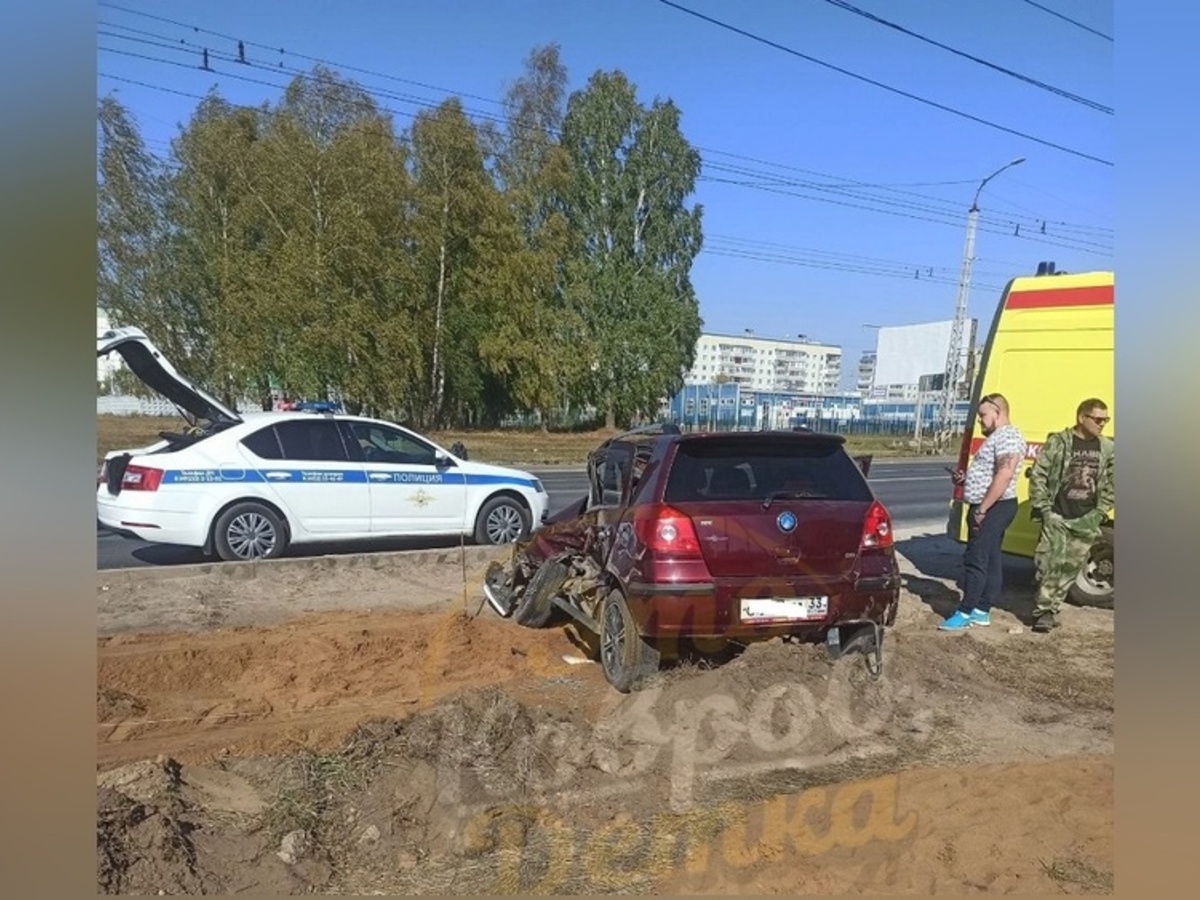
point(756, 470)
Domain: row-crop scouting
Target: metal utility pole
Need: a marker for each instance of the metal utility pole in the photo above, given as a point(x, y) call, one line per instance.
point(954, 353)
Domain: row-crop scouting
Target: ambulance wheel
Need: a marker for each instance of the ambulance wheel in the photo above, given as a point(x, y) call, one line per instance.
point(1095, 585)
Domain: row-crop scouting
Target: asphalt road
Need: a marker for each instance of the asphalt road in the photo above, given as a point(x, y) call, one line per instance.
point(915, 491)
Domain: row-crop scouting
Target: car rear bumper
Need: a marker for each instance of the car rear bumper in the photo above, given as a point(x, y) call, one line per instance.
point(707, 610)
point(137, 516)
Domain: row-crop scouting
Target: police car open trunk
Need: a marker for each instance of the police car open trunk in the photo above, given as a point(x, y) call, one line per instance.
point(149, 365)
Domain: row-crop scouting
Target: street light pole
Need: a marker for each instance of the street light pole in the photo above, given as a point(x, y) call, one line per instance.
point(953, 372)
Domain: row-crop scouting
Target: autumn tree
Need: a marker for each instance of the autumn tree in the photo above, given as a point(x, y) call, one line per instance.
point(456, 239)
point(631, 174)
point(535, 344)
point(131, 233)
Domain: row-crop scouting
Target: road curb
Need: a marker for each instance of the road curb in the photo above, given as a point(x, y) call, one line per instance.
point(472, 557)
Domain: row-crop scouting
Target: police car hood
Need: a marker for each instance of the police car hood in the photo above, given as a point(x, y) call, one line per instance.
point(148, 364)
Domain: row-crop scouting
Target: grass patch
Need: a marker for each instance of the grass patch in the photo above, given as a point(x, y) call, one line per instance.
point(1078, 876)
point(308, 784)
point(510, 446)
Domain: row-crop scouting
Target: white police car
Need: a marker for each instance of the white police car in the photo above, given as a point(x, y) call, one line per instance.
point(248, 487)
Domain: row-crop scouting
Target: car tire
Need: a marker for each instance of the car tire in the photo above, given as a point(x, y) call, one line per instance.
point(502, 520)
point(625, 656)
point(1095, 585)
point(249, 531)
point(535, 606)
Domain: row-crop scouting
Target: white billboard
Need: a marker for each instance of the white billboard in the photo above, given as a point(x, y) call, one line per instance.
point(903, 353)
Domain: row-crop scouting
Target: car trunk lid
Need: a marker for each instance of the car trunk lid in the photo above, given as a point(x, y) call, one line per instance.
point(742, 539)
point(156, 372)
point(782, 504)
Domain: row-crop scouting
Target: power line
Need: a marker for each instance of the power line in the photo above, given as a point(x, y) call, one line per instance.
point(281, 51)
point(816, 264)
point(949, 207)
point(948, 217)
point(842, 4)
point(886, 87)
point(946, 214)
point(1077, 245)
point(1035, 224)
point(1037, 227)
point(1058, 15)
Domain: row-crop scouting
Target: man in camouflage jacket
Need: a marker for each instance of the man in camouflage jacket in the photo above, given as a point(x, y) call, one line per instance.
point(1071, 491)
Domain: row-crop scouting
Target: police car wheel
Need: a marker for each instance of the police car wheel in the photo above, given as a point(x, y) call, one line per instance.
point(249, 531)
point(502, 520)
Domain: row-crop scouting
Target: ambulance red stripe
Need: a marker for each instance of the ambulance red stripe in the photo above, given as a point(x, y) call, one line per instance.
point(1097, 295)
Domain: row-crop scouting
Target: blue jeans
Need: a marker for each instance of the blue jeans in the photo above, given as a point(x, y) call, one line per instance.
point(983, 563)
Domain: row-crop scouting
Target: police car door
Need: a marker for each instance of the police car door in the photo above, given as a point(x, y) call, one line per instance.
point(307, 468)
point(410, 492)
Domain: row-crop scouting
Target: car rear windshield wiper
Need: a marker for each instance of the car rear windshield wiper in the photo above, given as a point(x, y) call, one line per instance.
point(790, 495)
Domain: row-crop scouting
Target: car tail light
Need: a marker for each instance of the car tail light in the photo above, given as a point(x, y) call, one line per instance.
point(141, 478)
point(877, 527)
point(665, 531)
point(964, 455)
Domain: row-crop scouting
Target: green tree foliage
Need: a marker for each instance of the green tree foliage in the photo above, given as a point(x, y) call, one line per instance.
point(449, 275)
point(458, 233)
point(132, 231)
point(535, 345)
point(330, 188)
point(632, 171)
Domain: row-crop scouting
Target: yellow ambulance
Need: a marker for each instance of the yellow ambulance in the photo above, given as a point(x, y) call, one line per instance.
point(1050, 347)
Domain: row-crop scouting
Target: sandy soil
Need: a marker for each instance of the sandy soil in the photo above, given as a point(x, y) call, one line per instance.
point(370, 726)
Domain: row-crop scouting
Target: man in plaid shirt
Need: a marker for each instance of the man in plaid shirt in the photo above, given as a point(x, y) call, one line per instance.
point(990, 491)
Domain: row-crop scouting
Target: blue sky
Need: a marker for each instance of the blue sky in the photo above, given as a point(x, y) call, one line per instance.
point(823, 195)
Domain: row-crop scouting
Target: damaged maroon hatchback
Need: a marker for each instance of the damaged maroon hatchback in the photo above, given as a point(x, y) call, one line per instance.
point(711, 537)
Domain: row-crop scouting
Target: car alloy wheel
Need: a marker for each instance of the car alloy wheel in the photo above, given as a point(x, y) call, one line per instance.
point(612, 639)
point(625, 656)
point(504, 524)
point(251, 535)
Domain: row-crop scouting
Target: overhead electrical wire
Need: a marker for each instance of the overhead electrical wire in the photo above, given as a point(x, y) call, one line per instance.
point(936, 216)
point(1068, 95)
point(948, 216)
point(408, 98)
point(1059, 15)
point(887, 87)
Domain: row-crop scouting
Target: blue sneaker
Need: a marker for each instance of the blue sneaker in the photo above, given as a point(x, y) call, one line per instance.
point(980, 617)
point(960, 621)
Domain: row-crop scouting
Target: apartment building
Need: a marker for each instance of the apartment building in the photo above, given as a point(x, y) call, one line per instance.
point(766, 364)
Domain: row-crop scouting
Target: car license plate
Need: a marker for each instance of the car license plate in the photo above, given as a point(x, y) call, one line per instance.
point(784, 609)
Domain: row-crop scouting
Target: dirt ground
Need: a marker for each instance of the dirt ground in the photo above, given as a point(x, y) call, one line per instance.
point(372, 727)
